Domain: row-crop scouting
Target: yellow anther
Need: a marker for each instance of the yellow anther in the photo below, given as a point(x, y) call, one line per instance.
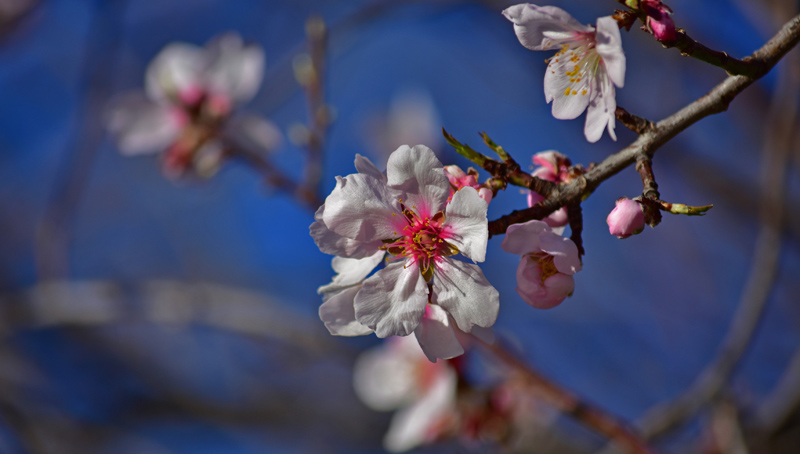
point(566, 93)
point(574, 92)
point(583, 92)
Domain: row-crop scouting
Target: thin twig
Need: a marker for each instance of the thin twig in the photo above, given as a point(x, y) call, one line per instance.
point(318, 110)
point(507, 170)
point(575, 216)
point(54, 232)
point(688, 47)
point(593, 417)
point(273, 176)
point(691, 48)
point(716, 101)
point(644, 165)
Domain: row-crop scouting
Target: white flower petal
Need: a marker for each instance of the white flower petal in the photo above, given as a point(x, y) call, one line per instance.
point(351, 271)
point(601, 113)
point(466, 223)
point(524, 238)
point(412, 426)
point(462, 290)
point(361, 208)
point(609, 46)
point(384, 377)
point(142, 126)
point(338, 315)
point(419, 173)
point(233, 69)
point(543, 27)
point(436, 335)
point(330, 242)
point(556, 84)
point(365, 166)
point(392, 301)
point(564, 252)
point(177, 67)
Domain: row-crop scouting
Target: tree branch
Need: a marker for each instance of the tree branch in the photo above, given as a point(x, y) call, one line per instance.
point(715, 101)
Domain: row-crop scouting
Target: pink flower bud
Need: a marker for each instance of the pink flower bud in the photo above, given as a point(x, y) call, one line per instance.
point(191, 95)
point(554, 167)
point(626, 219)
point(460, 179)
point(658, 20)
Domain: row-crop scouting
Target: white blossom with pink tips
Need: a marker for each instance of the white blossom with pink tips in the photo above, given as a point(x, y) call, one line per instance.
point(544, 274)
point(188, 103)
point(582, 75)
point(406, 213)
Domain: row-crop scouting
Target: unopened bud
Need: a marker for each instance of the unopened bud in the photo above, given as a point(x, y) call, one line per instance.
point(626, 219)
point(658, 20)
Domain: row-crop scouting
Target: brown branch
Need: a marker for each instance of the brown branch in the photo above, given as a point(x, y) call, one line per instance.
point(508, 171)
point(590, 415)
point(575, 216)
point(644, 165)
point(691, 48)
point(688, 47)
point(778, 145)
point(715, 101)
point(632, 122)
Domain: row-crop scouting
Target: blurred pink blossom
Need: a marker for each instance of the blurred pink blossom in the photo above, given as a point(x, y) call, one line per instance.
point(187, 106)
point(396, 375)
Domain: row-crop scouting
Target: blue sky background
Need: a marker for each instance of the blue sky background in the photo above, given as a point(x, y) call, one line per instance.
point(647, 313)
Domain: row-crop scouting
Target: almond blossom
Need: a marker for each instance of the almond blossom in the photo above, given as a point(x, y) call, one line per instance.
point(395, 375)
point(406, 213)
point(190, 94)
point(544, 274)
point(582, 74)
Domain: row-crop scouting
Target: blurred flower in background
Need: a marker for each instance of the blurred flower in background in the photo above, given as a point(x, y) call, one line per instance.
point(187, 109)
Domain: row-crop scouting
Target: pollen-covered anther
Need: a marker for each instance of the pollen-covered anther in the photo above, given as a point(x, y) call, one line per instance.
point(423, 240)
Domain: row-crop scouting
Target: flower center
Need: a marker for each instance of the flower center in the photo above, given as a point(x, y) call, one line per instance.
point(579, 62)
point(422, 240)
point(546, 265)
